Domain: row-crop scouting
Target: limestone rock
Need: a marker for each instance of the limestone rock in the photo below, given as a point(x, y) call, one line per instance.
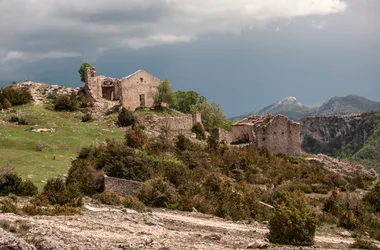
point(9, 241)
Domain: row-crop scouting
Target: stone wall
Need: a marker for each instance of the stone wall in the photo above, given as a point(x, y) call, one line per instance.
point(174, 124)
point(279, 136)
point(138, 90)
point(222, 135)
point(101, 87)
point(243, 132)
point(121, 187)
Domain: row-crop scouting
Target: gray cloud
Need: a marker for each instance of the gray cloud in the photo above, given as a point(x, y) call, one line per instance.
point(32, 30)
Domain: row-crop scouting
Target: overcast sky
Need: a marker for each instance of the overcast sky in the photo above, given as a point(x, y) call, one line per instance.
point(244, 54)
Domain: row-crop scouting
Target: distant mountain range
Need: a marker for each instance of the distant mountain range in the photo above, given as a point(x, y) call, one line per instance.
point(294, 110)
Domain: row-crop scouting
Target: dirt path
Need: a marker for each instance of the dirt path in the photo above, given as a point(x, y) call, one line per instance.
point(103, 227)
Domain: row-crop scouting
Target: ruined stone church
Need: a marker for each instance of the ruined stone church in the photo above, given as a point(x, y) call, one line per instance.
point(132, 91)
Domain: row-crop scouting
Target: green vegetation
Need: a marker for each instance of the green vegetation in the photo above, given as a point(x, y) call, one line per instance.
point(292, 222)
point(11, 183)
point(18, 143)
point(134, 203)
point(10, 96)
point(108, 198)
point(164, 94)
point(212, 115)
point(126, 118)
point(82, 71)
point(186, 100)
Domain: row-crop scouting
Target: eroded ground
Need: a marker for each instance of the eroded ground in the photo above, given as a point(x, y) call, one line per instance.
point(106, 227)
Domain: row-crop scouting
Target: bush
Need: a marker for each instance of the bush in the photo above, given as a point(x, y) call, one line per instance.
point(8, 206)
point(118, 160)
point(87, 118)
point(372, 197)
point(14, 97)
point(199, 130)
point(183, 143)
point(126, 118)
point(10, 182)
point(348, 220)
point(158, 193)
point(136, 137)
point(6, 104)
point(361, 243)
point(57, 210)
point(294, 186)
point(292, 222)
point(85, 178)
point(108, 198)
point(59, 194)
point(134, 203)
point(66, 103)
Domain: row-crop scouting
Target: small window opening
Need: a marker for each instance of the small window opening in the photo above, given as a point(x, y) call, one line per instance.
point(141, 79)
point(282, 132)
point(142, 100)
point(274, 133)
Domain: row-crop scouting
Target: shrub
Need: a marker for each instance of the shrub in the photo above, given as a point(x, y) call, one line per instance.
point(13, 119)
point(361, 243)
point(108, 198)
point(66, 103)
point(126, 118)
point(183, 143)
point(15, 97)
point(87, 118)
point(59, 194)
point(158, 193)
point(372, 197)
point(136, 137)
point(294, 186)
point(118, 160)
point(292, 222)
point(57, 210)
point(134, 203)
point(6, 104)
point(40, 147)
point(10, 182)
point(85, 178)
point(27, 188)
point(348, 220)
point(8, 206)
point(199, 130)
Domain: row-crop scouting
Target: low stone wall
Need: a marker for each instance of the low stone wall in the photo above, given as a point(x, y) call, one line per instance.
point(121, 187)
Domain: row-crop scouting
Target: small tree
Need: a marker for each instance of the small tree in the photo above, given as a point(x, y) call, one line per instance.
point(292, 222)
point(6, 104)
point(126, 118)
point(82, 71)
point(164, 94)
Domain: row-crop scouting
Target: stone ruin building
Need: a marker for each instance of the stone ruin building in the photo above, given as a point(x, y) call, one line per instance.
point(276, 133)
point(132, 91)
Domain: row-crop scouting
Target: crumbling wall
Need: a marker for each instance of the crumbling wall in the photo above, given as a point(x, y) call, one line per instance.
point(121, 187)
point(138, 90)
point(279, 136)
point(174, 124)
point(101, 87)
point(243, 132)
point(222, 135)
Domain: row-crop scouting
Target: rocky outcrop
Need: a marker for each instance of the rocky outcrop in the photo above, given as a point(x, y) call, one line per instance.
point(327, 134)
point(9, 241)
point(345, 169)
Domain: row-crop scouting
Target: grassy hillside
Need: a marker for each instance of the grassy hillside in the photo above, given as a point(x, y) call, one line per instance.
point(19, 145)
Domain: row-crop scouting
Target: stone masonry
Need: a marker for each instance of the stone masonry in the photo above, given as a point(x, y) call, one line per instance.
point(121, 187)
point(276, 133)
point(132, 91)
